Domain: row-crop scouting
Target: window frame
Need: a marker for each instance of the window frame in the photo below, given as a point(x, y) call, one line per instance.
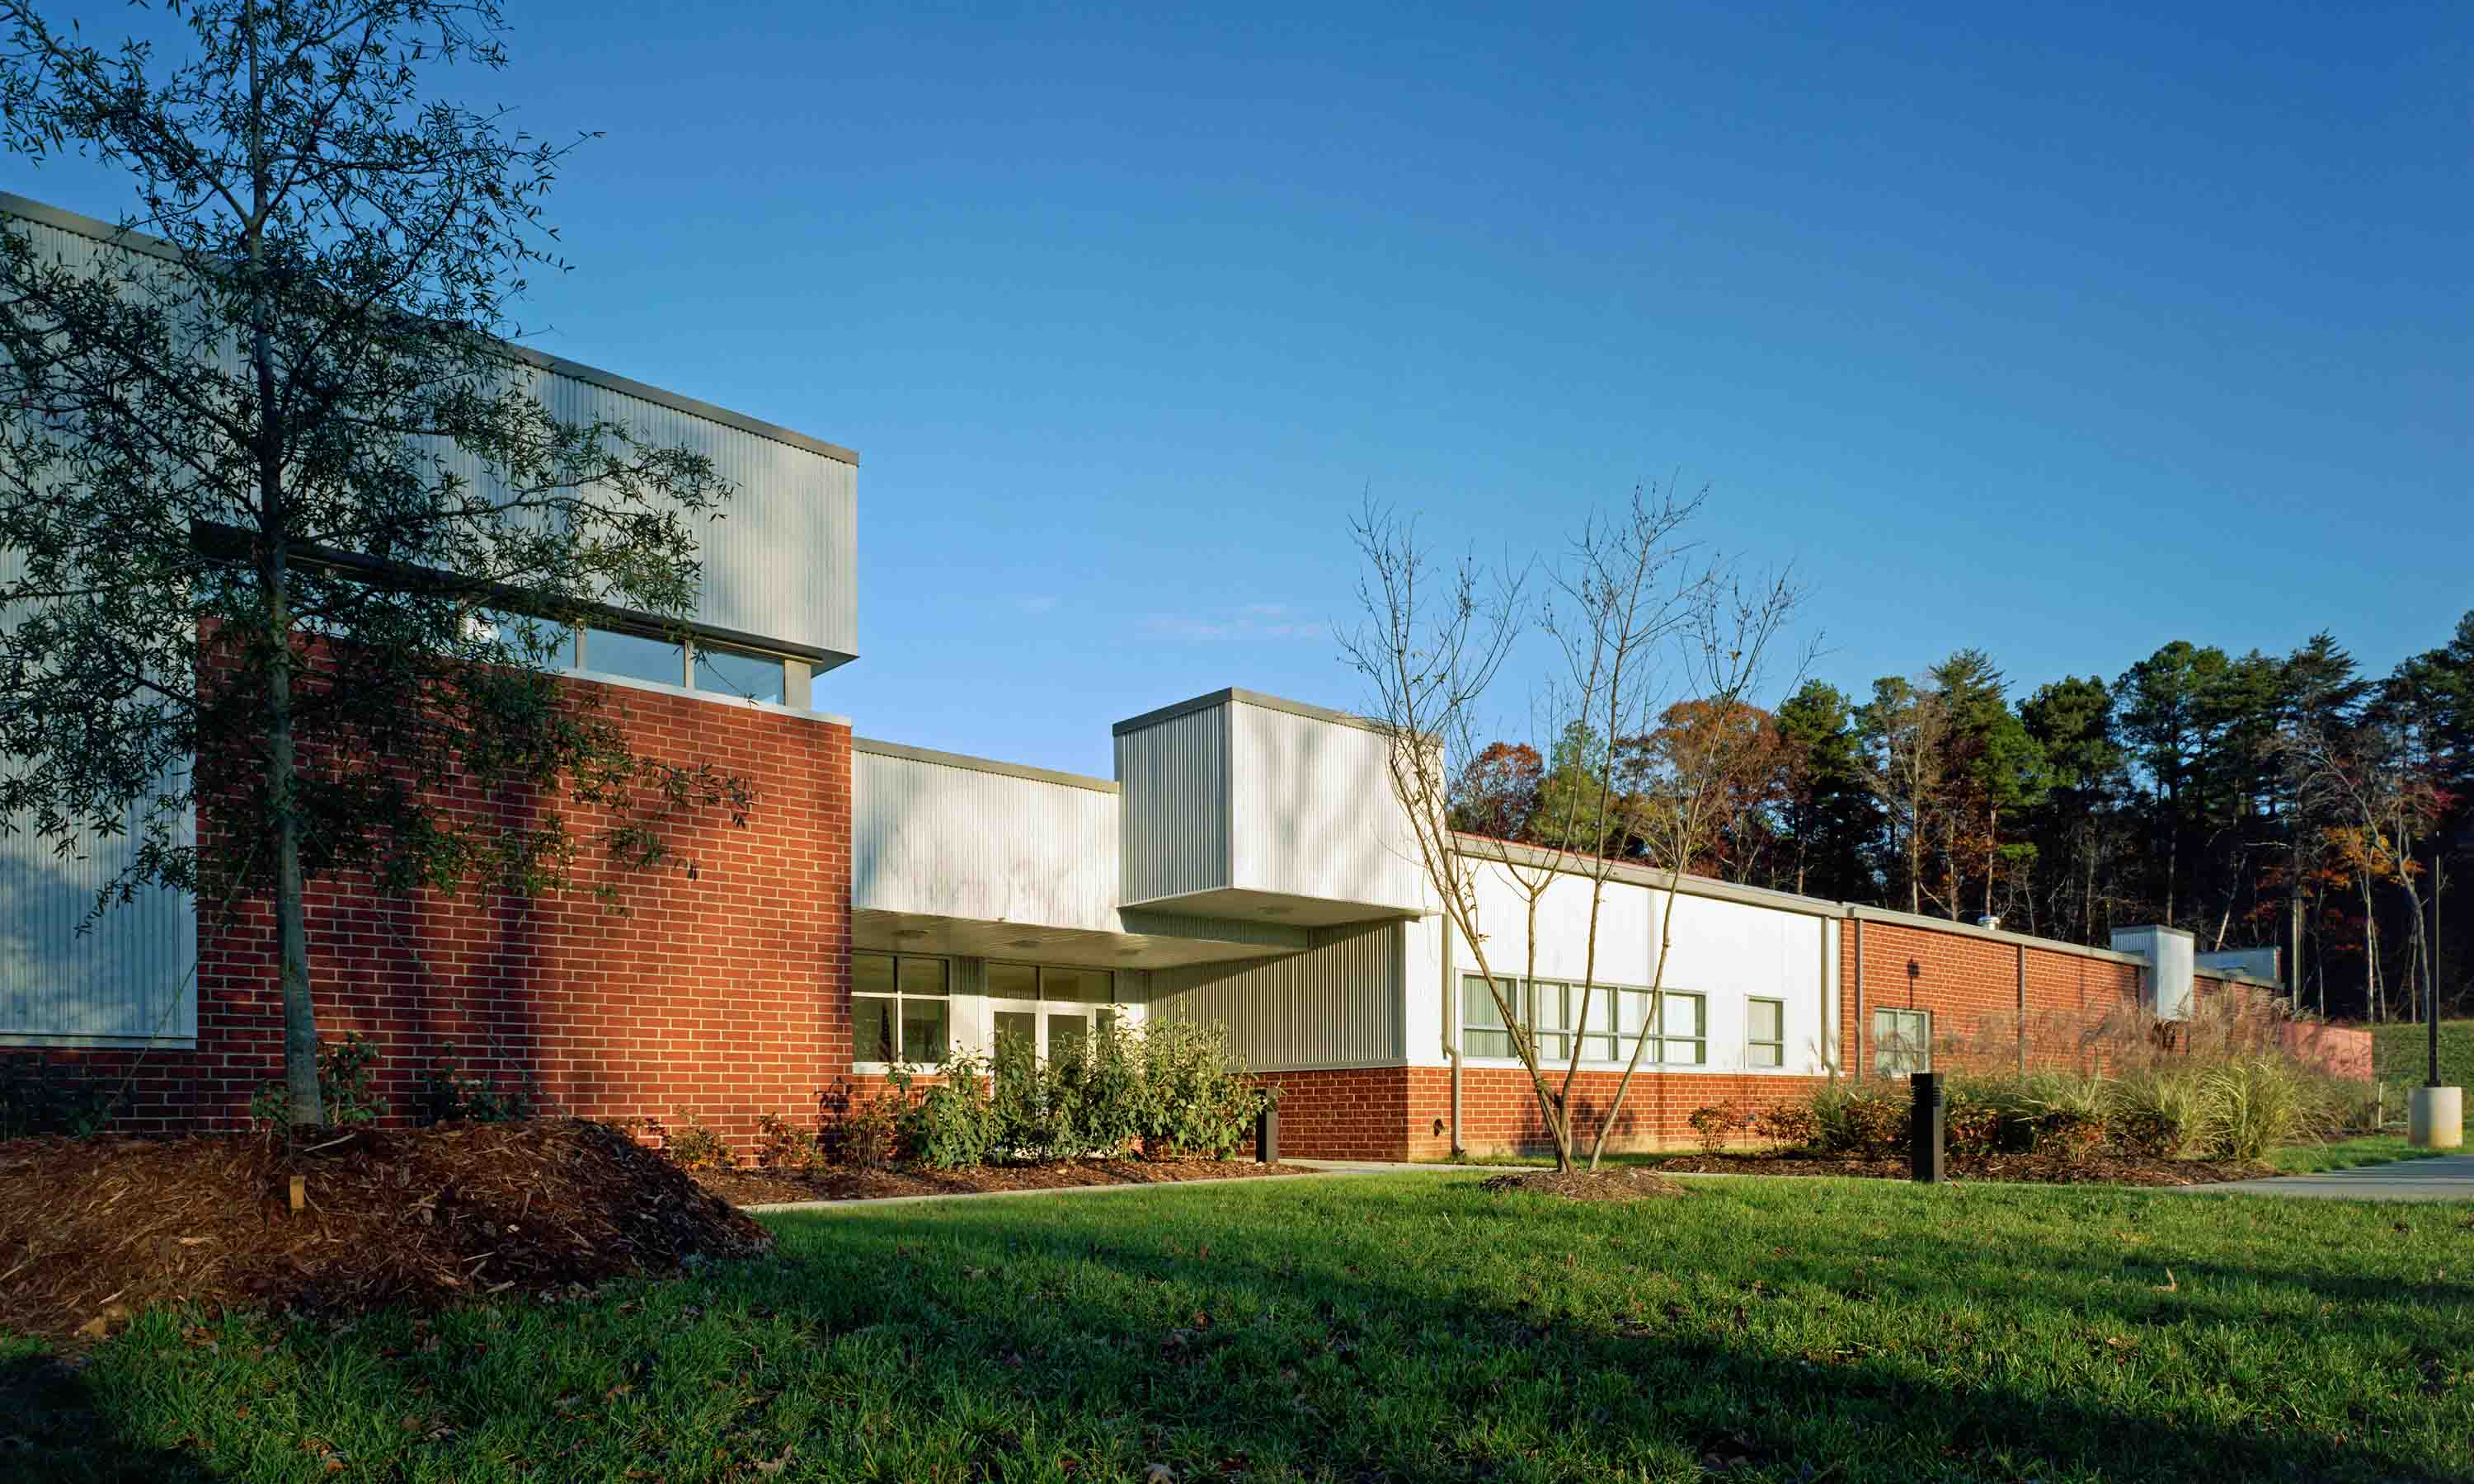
point(1096, 1015)
point(1698, 1041)
point(1753, 1043)
point(1920, 1055)
point(896, 998)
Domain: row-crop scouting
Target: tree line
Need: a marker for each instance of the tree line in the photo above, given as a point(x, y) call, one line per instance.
point(2251, 798)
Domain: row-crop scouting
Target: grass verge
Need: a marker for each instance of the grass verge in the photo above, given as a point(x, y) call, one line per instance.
point(1381, 1327)
point(2346, 1154)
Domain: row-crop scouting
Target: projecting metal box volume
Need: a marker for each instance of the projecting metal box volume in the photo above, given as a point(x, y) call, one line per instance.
point(1242, 805)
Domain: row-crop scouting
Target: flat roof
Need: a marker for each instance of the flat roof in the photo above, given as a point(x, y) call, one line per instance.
point(33, 210)
point(1233, 695)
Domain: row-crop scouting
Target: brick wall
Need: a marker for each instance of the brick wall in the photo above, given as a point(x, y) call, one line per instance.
point(722, 990)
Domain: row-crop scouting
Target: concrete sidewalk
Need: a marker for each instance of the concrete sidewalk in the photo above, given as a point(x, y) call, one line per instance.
point(2442, 1178)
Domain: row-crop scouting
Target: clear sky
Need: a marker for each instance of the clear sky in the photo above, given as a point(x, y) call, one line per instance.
point(2058, 330)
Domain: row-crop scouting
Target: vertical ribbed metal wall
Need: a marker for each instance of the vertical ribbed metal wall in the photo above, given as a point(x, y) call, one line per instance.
point(1341, 1003)
point(1313, 811)
point(957, 842)
point(1175, 780)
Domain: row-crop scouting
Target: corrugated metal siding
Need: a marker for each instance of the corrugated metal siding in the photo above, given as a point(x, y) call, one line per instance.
point(1175, 782)
point(1313, 811)
point(782, 560)
point(957, 842)
point(1339, 1003)
point(127, 979)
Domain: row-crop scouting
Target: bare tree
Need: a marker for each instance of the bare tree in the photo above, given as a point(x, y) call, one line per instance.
point(1725, 632)
point(1907, 725)
point(1433, 639)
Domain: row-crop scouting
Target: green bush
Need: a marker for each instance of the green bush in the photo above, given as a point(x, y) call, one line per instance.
point(783, 1145)
point(691, 1143)
point(343, 1086)
point(1196, 1096)
point(948, 1124)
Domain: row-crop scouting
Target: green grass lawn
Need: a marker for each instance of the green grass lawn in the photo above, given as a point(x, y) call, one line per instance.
point(2400, 1055)
point(1408, 1327)
point(2347, 1154)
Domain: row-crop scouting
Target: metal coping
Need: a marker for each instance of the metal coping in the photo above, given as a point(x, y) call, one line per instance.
point(12, 204)
point(1234, 695)
point(1009, 770)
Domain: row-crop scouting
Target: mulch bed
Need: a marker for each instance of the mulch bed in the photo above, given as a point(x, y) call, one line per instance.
point(1624, 1183)
point(93, 1229)
point(837, 1183)
point(2036, 1169)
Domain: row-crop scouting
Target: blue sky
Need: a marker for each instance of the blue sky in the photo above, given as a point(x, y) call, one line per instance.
point(2062, 331)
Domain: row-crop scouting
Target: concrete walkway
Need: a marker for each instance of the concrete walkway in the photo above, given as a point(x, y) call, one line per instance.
point(2443, 1178)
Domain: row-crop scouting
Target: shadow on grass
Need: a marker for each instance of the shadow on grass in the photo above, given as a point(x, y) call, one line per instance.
point(1318, 1333)
point(53, 1427)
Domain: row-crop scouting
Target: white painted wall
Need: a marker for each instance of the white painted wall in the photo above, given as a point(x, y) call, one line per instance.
point(1728, 951)
point(1313, 812)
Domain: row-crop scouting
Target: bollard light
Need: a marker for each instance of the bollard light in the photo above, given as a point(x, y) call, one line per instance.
point(1925, 1141)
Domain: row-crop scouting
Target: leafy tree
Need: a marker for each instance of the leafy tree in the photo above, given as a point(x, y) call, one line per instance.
point(1827, 813)
point(1904, 729)
point(1497, 793)
point(1995, 766)
point(281, 499)
point(2076, 824)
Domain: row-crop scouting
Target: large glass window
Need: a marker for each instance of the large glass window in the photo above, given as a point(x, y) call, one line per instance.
point(1766, 1033)
point(901, 1008)
point(522, 639)
point(738, 672)
point(1901, 1041)
point(635, 655)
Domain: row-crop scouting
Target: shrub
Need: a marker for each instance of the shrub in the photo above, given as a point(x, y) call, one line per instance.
point(450, 1092)
point(1849, 1121)
point(868, 1136)
point(691, 1143)
point(1971, 1125)
point(784, 1145)
point(343, 1087)
point(949, 1124)
point(2156, 1114)
point(1788, 1125)
point(1717, 1123)
point(1197, 1097)
point(2251, 1105)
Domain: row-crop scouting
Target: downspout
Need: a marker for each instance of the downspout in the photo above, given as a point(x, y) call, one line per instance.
point(1452, 1041)
point(2023, 1010)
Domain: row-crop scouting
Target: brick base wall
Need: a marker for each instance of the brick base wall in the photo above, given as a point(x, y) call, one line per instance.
point(1405, 1113)
point(722, 990)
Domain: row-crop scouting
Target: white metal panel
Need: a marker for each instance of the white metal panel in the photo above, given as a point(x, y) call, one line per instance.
point(2171, 955)
point(1727, 951)
point(1173, 776)
point(1313, 812)
point(950, 841)
point(1339, 1003)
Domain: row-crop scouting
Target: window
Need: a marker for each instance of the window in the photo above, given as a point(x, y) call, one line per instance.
point(1054, 1009)
point(1483, 1032)
point(1553, 1005)
point(521, 637)
point(1684, 1029)
point(1766, 1033)
point(634, 656)
point(901, 1008)
point(1901, 1041)
point(738, 672)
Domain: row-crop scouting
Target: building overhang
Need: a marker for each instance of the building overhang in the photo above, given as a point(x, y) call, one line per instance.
point(1147, 939)
point(1244, 904)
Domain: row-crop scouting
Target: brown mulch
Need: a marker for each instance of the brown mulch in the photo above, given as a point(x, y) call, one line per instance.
point(838, 1182)
point(93, 1229)
point(2036, 1169)
point(1624, 1183)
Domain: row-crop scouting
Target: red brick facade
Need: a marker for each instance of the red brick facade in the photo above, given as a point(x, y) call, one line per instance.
point(722, 990)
